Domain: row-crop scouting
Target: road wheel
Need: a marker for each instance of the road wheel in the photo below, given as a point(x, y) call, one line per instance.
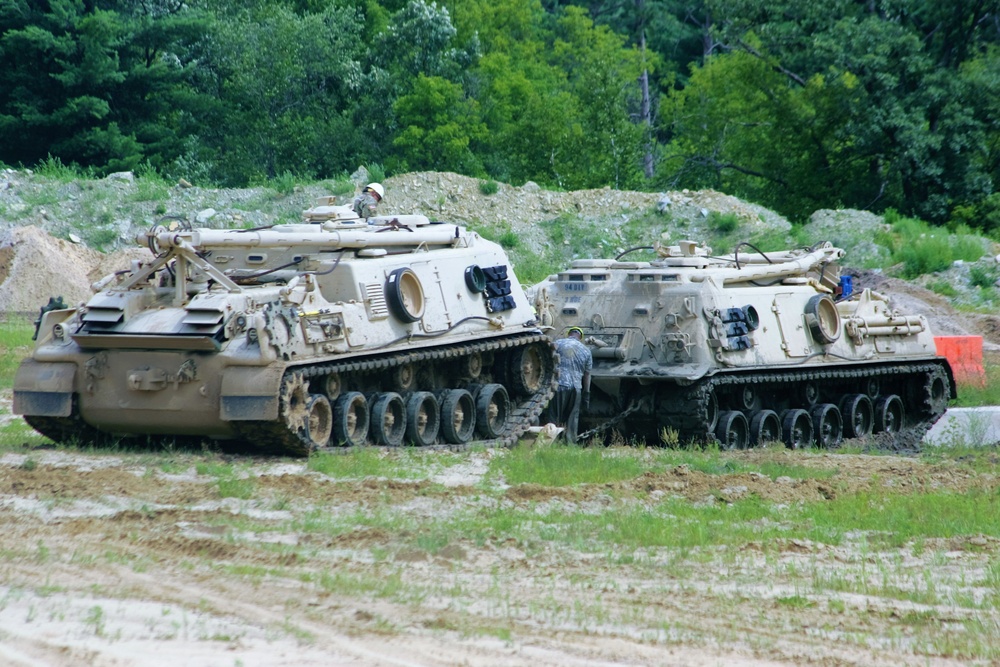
point(458, 416)
point(765, 426)
point(732, 431)
point(388, 419)
point(828, 426)
point(319, 423)
point(350, 419)
point(889, 414)
point(492, 411)
point(796, 429)
point(858, 414)
point(423, 418)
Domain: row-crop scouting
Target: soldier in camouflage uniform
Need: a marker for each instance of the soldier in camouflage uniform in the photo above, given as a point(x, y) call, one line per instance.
point(573, 393)
point(366, 202)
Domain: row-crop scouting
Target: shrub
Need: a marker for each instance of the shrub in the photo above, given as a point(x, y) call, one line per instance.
point(943, 287)
point(376, 172)
point(53, 167)
point(488, 187)
point(510, 240)
point(923, 249)
point(285, 183)
point(724, 222)
point(983, 276)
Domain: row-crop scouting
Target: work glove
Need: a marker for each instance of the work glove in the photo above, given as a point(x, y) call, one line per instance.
point(585, 401)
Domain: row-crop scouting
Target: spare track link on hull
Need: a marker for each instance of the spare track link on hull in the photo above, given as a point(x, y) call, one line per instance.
point(690, 415)
point(274, 437)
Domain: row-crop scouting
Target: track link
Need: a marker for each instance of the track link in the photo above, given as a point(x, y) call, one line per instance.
point(691, 409)
point(274, 437)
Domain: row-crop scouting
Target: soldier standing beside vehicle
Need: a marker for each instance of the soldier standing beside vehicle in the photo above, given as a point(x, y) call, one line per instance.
point(366, 202)
point(573, 393)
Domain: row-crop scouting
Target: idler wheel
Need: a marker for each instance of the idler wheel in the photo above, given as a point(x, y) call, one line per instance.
point(828, 426)
point(423, 418)
point(710, 406)
point(458, 416)
point(765, 426)
point(796, 429)
point(319, 424)
point(388, 419)
point(889, 414)
point(492, 411)
point(350, 419)
point(732, 431)
point(858, 414)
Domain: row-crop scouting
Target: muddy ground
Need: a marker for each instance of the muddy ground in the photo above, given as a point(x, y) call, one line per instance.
point(152, 560)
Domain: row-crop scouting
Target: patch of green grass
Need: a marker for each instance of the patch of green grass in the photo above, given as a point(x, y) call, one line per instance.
point(366, 462)
point(795, 602)
point(15, 346)
point(378, 584)
point(488, 188)
point(972, 395)
point(100, 238)
point(560, 465)
point(149, 188)
point(214, 469)
point(284, 184)
point(376, 172)
point(923, 249)
point(895, 519)
point(509, 240)
point(340, 186)
point(724, 223)
point(236, 487)
point(943, 287)
point(984, 275)
point(53, 167)
point(229, 481)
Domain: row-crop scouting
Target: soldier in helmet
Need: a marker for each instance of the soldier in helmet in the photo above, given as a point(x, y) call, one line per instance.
point(366, 202)
point(573, 393)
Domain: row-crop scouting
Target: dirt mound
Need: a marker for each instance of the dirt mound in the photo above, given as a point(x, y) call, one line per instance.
point(35, 266)
point(461, 199)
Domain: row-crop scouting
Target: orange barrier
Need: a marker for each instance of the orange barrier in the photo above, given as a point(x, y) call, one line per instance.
point(965, 354)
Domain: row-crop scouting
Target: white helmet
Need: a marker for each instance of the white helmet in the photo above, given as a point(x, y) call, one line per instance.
point(377, 189)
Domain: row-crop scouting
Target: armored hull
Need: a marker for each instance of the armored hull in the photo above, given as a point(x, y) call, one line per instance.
point(746, 348)
point(296, 338)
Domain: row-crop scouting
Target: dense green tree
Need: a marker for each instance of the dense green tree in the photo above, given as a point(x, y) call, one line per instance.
point(439, 126)
point(602, 74)
point(286, 81)
point(99, 84)
point(556, 99)
point(908, 133)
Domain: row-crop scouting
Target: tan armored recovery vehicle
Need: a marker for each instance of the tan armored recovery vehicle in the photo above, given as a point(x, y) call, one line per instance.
point(746, 348)
point(294, 338)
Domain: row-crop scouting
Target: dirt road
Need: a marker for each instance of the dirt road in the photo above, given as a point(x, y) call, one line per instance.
point(181, 560)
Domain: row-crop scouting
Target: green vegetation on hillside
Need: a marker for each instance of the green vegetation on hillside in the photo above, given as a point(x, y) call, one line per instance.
point(798, 107)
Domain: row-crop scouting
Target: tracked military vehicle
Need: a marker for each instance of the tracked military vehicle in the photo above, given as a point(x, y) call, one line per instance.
point(746, 348)
point(293, 338)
